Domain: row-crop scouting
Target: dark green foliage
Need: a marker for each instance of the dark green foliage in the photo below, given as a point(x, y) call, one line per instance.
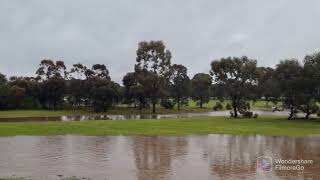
point(102, 98)
point(153, 70)
point(200, 84)
point(103, 93)
point(247, 114)
point(181, 85)
point(54, 89)
point(167, 103)
point(218, 106)
point(236, 79)
point(238, 75)
point(299, 84)
point(3, 79)
point(228, 106)
point(218, 91)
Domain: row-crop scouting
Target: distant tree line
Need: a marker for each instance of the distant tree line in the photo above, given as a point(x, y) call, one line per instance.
point(155, 80)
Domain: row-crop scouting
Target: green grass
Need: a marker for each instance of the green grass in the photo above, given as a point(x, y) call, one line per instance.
point(39, 113)
point(118, 110)
point(199, 125)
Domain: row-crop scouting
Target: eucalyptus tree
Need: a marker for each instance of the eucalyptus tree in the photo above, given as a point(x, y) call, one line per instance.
point(52, 77)
point(103, 93)
point(76, 85)
point(48, 69)
point(289, 74)
point(180, 88)
point(3, 79)
point(201, 84)
point(129, 82)
point(134, 91)
point(236, 74)
point(153, 69)
point(310, 85)
point(268, 86)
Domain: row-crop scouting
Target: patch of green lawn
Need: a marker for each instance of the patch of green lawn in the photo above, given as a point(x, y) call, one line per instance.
point(198, 125)
point(117, 110)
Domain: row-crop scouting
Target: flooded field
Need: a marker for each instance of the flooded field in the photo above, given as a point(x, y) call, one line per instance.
point(135, 116)
point(154, 157)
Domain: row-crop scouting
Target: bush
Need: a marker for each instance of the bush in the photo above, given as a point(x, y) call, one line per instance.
point(247, 114)
point(318, 113)
point(255, 115)
point(167, 103)
point(218, 106)
point(228, 106)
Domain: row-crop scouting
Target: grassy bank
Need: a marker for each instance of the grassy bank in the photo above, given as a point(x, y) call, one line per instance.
point(199, 125)
point(118, 110)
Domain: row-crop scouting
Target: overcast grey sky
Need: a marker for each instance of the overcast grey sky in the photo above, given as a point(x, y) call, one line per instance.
point(196, 31)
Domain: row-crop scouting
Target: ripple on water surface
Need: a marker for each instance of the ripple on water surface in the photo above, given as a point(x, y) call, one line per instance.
point(153, 157)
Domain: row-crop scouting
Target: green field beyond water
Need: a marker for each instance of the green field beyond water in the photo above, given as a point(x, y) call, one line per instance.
point(199, 125)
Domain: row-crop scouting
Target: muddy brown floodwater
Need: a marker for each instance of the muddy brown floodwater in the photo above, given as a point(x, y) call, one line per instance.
point(136, 116)
point(154, 157)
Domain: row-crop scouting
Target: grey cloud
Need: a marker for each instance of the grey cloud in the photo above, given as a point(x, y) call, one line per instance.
point(196, 32)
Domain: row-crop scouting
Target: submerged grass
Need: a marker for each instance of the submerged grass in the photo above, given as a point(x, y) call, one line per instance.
point(275, 126)
point(191, 108)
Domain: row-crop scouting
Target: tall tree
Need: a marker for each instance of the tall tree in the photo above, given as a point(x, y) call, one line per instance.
point(101, 71)
point(236, 74)
point(129, 82)
point(75, 85)
point(3, 79)
point(268, 86)
point(310, 84)
point(52, 75)
point(153, 69)
point(289, 75)
point(180, 83)
point(200, 84)
point(48, 68)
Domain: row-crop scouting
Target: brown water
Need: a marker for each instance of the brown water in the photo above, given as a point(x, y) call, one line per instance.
point(134, 116)
point(154, 158)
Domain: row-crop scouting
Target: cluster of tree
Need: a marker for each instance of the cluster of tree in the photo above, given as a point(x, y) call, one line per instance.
point(54, 86)
point(296, 85)
point(156, 81)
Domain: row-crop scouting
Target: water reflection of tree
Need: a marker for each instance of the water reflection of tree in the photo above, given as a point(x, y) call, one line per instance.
point(230, 157)
point(298, 148)
point(154, 155)
point(235, 156)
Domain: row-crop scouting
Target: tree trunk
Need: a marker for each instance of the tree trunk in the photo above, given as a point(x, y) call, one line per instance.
point(291, 113)
point(235, 111)
point(308, 113)
point(178, 104)
point(153, 107)
point(201, 104)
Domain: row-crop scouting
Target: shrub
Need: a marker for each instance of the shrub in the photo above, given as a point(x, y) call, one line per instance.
point(231, 114)
point(228, 106)
point(167, 103)
point(247, 114)
point(318, 113)
point(218, 106)
point(255, 115)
